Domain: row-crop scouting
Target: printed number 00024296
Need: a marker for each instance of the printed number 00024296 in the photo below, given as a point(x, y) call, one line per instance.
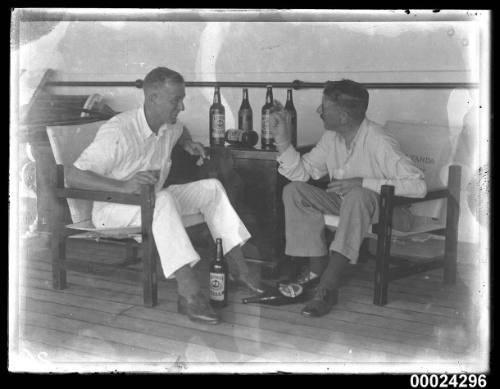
point(447, 381)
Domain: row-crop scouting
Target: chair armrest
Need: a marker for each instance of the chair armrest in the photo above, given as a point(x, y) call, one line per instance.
point(61, 191)
point(94, 195)
point(431, 195)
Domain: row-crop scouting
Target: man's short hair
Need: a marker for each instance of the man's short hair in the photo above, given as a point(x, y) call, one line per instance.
point(349, 95)
point(158, 77)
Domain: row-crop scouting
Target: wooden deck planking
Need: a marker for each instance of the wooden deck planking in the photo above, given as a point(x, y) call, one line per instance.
point(411, 326)
point(365, 308)
point(78, 335)
point(350, 340)
point(351, 305)
point(36, 352)
point(441, 301)
point(225, 335)
point(159, 338)
point(262, 320)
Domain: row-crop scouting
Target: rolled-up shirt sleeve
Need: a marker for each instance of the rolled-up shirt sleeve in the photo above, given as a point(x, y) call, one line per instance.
point(399, 170)
point(102, 155)
point(310, 165)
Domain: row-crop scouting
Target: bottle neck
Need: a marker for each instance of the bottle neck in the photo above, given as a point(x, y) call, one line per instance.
point(216, 96)
point(269, 96)
point(289, 97)
point(245, 103)
point(219, 255)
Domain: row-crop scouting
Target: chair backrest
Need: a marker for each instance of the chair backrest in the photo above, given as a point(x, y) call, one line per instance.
point(67, 143)
point(429, 147)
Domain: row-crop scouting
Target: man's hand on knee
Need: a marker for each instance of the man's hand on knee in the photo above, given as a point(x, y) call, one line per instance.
point(342, 187)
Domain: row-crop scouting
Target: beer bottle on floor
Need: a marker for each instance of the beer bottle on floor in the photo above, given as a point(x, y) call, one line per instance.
point(291, 117)
point(266, 138)
point(242, 138)
point(218, 278)
point(245, 114)
point(217, 124)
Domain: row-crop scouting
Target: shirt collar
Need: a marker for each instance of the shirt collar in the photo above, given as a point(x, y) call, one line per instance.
point(361, 130)
point(144, 128)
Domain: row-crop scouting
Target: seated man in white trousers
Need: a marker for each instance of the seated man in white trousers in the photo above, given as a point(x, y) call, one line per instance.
point(359, 157)
point(134, 148)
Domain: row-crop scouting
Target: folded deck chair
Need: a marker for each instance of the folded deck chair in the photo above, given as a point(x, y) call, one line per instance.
point(400, 254)
point(67, 143)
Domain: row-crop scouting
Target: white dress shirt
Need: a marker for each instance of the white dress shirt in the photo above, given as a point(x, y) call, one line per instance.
point(373, 155)
point(126, 145)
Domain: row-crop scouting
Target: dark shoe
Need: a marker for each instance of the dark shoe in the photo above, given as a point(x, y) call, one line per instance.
point(322, 303)
point(248, 281)
point(197, 308)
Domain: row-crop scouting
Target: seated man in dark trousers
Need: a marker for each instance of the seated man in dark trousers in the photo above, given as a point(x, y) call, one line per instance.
point(359, 158)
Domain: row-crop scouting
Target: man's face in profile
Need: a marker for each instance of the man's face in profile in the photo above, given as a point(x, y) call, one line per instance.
point(169, 102)
point(331, 114)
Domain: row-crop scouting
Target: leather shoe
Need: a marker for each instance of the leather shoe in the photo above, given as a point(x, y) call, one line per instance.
point(248, 281)
point(197, 308)
point(322, 303)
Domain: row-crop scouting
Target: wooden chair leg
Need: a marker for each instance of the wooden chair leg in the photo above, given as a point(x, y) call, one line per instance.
point(383, 246)
point(451, 234)
point(150, 282)
point(150, 285)
point(58, 258)
point(58, 239)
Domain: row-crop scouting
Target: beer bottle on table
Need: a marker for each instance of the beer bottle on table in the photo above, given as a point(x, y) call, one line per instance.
point(217, 124)
point(242, 138)
point(218, 278)
point(245, 114)
point(266, 138)
point(291, 117)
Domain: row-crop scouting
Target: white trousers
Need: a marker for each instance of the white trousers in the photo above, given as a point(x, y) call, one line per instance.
point(172, 241)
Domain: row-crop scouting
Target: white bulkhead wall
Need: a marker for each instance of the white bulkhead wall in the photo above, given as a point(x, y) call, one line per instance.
point(271, 51)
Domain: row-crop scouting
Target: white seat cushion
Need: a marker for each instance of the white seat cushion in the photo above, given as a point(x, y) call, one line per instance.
point(421, 224)
point(124, 232)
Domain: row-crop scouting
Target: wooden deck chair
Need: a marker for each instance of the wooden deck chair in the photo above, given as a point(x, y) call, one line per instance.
point(401, 254)
point(67, 143)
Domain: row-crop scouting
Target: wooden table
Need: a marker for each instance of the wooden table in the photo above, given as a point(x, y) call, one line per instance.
point(252, 181)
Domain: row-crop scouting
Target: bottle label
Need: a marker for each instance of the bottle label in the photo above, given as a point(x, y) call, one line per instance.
point(217, 283)
point(218, 126)
point(266, 128)
point(234, 135)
